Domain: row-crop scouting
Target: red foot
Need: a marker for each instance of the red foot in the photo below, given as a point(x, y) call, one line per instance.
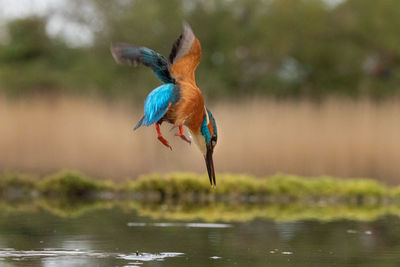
point(181, 135)
point(161, 138)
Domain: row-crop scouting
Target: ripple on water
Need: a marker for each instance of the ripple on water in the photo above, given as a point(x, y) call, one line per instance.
point(139, 258)
point(208, 225)
point(48, 252)
point(215, 257)
point(149, 256)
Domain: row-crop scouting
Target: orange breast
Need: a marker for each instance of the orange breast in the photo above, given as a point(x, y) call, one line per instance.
point(189, 110)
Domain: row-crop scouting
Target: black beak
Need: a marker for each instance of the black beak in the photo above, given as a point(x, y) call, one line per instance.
point(210, 166)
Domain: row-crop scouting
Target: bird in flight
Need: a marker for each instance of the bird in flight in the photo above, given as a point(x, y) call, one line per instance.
point(178, 100)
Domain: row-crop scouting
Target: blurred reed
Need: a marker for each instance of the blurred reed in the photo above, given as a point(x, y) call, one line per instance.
point(335, 137)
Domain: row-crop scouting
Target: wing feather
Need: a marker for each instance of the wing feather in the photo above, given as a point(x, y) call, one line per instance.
point(131, 55)
point(185, 55)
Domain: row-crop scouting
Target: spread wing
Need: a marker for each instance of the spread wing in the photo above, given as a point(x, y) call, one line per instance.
point(157, 103)
point(131, 55)
point(185, 55)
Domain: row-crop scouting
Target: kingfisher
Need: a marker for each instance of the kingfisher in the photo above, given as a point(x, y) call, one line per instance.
point(178, 100)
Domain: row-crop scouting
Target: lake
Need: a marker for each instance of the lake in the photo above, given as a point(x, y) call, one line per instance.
point(116, 236)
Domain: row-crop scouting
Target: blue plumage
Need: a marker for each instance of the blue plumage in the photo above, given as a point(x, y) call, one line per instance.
point(158, 63)
point(163, 103)
point(204, 127)
point(204, 130)
point(124, 53)
point(157, 103)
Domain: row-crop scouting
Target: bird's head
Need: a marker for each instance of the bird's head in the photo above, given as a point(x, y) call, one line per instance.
point(206, 140)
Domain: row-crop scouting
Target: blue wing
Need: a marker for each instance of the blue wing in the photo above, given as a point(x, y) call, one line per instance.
point(125, 53)
point(157, 103)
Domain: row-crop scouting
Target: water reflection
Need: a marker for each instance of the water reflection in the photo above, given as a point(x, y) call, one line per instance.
point(118, 235)
point(168, 224)
point(211, 212)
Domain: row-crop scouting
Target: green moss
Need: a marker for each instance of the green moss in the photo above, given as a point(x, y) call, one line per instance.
point(70, 184)
point(172, 185)
point(14, 185)
point(190, 187)
point(280, 186)
point(188, 196)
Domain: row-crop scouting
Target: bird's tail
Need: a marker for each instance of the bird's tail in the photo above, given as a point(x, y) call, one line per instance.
point(139, 123)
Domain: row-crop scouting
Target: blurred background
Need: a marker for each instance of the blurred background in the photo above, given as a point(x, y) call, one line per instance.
point(308, 87)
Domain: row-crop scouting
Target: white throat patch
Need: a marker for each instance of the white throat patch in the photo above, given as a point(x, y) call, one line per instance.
point(200, 142)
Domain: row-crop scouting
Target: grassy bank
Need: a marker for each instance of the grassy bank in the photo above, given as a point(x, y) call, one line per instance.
point(189, 187)
point(188, 196)
point(277, 188)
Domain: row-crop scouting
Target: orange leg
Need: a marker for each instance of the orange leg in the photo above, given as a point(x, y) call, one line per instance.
point(181, 135)
point(161, 138)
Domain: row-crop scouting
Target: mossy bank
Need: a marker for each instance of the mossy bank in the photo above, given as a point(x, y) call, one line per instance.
point(189, 187)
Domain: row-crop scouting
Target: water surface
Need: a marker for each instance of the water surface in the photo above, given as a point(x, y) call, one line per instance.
point(120, 237)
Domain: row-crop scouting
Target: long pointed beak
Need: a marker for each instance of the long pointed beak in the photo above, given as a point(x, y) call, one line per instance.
point(210, 166)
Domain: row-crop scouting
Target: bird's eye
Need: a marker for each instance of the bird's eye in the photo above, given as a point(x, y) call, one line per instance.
point(213, 141)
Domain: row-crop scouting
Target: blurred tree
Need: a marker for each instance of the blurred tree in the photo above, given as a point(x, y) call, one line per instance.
point(27, 40)
point(372, 30)
point(282, 48)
